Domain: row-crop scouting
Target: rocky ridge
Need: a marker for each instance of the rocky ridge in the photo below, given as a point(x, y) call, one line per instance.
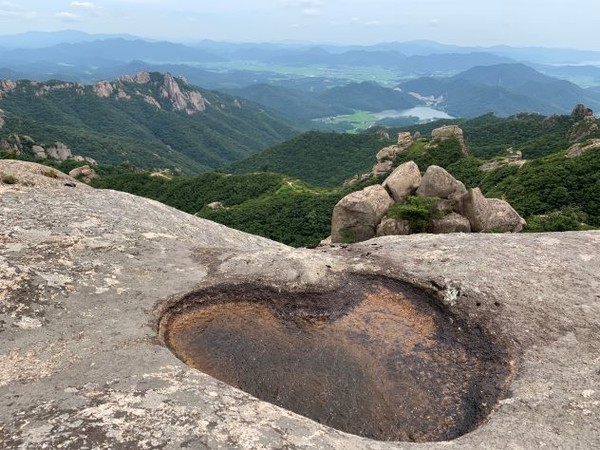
point(85, 275)
point(163, 91)
point(153, 89)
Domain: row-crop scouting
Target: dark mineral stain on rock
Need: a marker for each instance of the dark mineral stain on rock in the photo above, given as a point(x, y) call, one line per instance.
point(378, 358)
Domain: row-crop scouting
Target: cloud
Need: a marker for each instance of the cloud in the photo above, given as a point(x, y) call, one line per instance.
point(302, 3)
point(307, 8)
point(9, 9)
point(373, 23)
point(311, 12)
point(434, 23)
point(67, 16)
point(83, 5)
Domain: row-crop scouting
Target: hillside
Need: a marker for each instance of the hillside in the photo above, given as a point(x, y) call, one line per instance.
point(323, 159)
point(150, 120)
point(265, 204)
point(328, 159)
point(503, 89)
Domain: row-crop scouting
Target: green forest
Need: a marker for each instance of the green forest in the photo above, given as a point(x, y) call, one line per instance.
point(288, 191)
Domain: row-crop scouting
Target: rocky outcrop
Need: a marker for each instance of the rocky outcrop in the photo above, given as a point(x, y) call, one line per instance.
point(28, 175)
point(162, 91)
point(446, 207)
point(583, 129)
point(513, 158)
point(141, 78)
point(403, 181)
point(7, 86)
point(86, 275)
point(382, 168)
point(585, 126)
point(437, 182)
point(490, 214)
point(190, 101)
point(580, 148)
point(22, 145)
point(448, 132)
point(46, 88)
point(2, 119)
point(215, 205)
point(581, 111)
point(356, 216)
point(103, 89)
point(83, 173)
point(59, 151)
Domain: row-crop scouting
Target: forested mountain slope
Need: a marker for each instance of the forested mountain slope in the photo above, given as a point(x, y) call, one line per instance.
point(150, 120)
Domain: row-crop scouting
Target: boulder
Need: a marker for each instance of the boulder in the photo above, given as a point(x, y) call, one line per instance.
point(405, 139)
point(393, 227)
point(356, 216)
point(579, 148)
point(103, 89)
point(437, 182)
point(59, 151)
point(215, 205)
point(490, 214)
point(450, 131)
point(388, 153)
point(403, 181)
point(85, 173)
point(39, 152)
point(382, 167)
point(452, 223)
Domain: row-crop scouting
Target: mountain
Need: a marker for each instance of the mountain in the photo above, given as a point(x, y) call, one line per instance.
point(367, 96)
point(504, 89)
point(151, 120)
point(293, 103)
point(101, 52)
point(43, 39)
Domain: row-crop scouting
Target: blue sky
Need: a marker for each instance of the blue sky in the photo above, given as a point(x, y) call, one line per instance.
point(556, 23)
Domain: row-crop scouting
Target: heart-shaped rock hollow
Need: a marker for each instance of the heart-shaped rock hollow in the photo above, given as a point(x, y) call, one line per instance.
point(376, 358)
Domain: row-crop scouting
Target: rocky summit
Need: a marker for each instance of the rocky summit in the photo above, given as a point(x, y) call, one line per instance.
point(98, 288)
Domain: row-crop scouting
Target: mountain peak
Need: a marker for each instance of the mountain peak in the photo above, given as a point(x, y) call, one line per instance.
point(155, 89)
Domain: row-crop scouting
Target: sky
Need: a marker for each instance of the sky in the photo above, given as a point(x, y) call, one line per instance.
point(549, 23)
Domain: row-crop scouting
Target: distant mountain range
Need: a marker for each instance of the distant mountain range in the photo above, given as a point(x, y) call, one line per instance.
point(303, 82)
point(84, 57)
point(504, 89)
point(150, 120)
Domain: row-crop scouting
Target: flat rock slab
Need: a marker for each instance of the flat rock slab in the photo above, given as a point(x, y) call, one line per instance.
point(85, 276)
